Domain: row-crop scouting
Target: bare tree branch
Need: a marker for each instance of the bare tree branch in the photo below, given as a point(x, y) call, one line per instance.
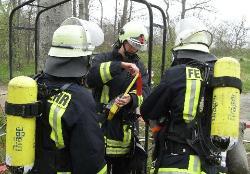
point(198, 5)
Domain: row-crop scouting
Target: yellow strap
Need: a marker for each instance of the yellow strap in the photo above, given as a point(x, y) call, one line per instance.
point(131, 84)
point(114, 108)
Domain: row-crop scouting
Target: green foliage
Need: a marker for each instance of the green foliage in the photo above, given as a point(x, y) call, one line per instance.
point(3, 34)
point(24, 69)
point(157, 62)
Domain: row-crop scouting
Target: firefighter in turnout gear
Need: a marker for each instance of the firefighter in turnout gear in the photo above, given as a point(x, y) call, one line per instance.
point(68, 136)
point(109, 77)
point(180, 99)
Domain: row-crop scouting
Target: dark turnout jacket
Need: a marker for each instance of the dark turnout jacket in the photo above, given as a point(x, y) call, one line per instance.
point(108, 80)
point(69, 138)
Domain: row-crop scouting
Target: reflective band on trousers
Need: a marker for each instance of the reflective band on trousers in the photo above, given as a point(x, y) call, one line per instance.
point(193, 85)
point(105, 72)
point(63, 173)
point(115, 147)
point(105, 95)
point(103, 171)
point(59, 104)
point(194, 167)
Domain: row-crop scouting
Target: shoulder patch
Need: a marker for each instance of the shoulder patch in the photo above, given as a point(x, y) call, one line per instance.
point(61, 99)
point(193, 73)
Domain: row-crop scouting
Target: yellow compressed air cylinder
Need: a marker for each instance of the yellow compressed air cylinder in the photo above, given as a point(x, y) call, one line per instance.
point(226, 102)
point(20, 132)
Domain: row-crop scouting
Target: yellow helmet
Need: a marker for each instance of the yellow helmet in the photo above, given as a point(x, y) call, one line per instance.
point(136, 34)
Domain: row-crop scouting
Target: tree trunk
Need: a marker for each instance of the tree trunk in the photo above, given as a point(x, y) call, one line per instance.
point(83, 9)
point(124, 18)
point(101, 12)
point(49, 22)
point(130, 11)
point(74, 8)
point(183, 9)
point(115, 22)
point(28, 46)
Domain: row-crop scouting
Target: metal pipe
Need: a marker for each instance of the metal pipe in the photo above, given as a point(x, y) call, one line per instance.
point(11, 34)
point(163, 56)
point(150, 48)
point(36, 31)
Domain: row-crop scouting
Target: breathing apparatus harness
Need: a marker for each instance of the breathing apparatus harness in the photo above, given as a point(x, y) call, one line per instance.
point(200, 141)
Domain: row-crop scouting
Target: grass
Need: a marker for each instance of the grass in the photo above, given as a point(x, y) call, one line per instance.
point(245, 74)
point(23, 68)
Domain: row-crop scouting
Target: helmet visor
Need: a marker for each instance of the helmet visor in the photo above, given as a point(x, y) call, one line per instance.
point(138, 44)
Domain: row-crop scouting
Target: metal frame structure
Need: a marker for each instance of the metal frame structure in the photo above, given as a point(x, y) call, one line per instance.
point(35, 29)
point(164, 43)
point(44, 9)
point(150, 49)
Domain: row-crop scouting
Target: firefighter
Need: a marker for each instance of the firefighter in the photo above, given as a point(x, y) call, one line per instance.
point(110, 75)
point(69, 138)
point(178, 100)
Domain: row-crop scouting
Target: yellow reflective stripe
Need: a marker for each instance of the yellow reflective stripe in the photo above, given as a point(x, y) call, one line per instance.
point(192, 94)
point(126, 134)
point(116, 151)
point(105, 95)
point(115, 143)
point(139, 97)
point(196, 98)
point(59, 104)
point(140, 100)
point(105, 72)
point(173, 171)
point(55, 116)
point(63, 172)
point(194, 164)
point(103, 171)
point(119, 147)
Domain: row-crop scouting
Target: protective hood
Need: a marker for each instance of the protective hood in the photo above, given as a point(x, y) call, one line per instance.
point(66, 66)
point(196, 55)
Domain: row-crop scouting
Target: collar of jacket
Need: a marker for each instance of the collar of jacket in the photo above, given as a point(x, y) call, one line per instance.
point(196, 55)
point(117, 56)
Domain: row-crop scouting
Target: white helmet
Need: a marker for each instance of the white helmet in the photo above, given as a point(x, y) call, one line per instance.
point(70, 41)
point(192, 35)
point(136, 34)
point(94, 33)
